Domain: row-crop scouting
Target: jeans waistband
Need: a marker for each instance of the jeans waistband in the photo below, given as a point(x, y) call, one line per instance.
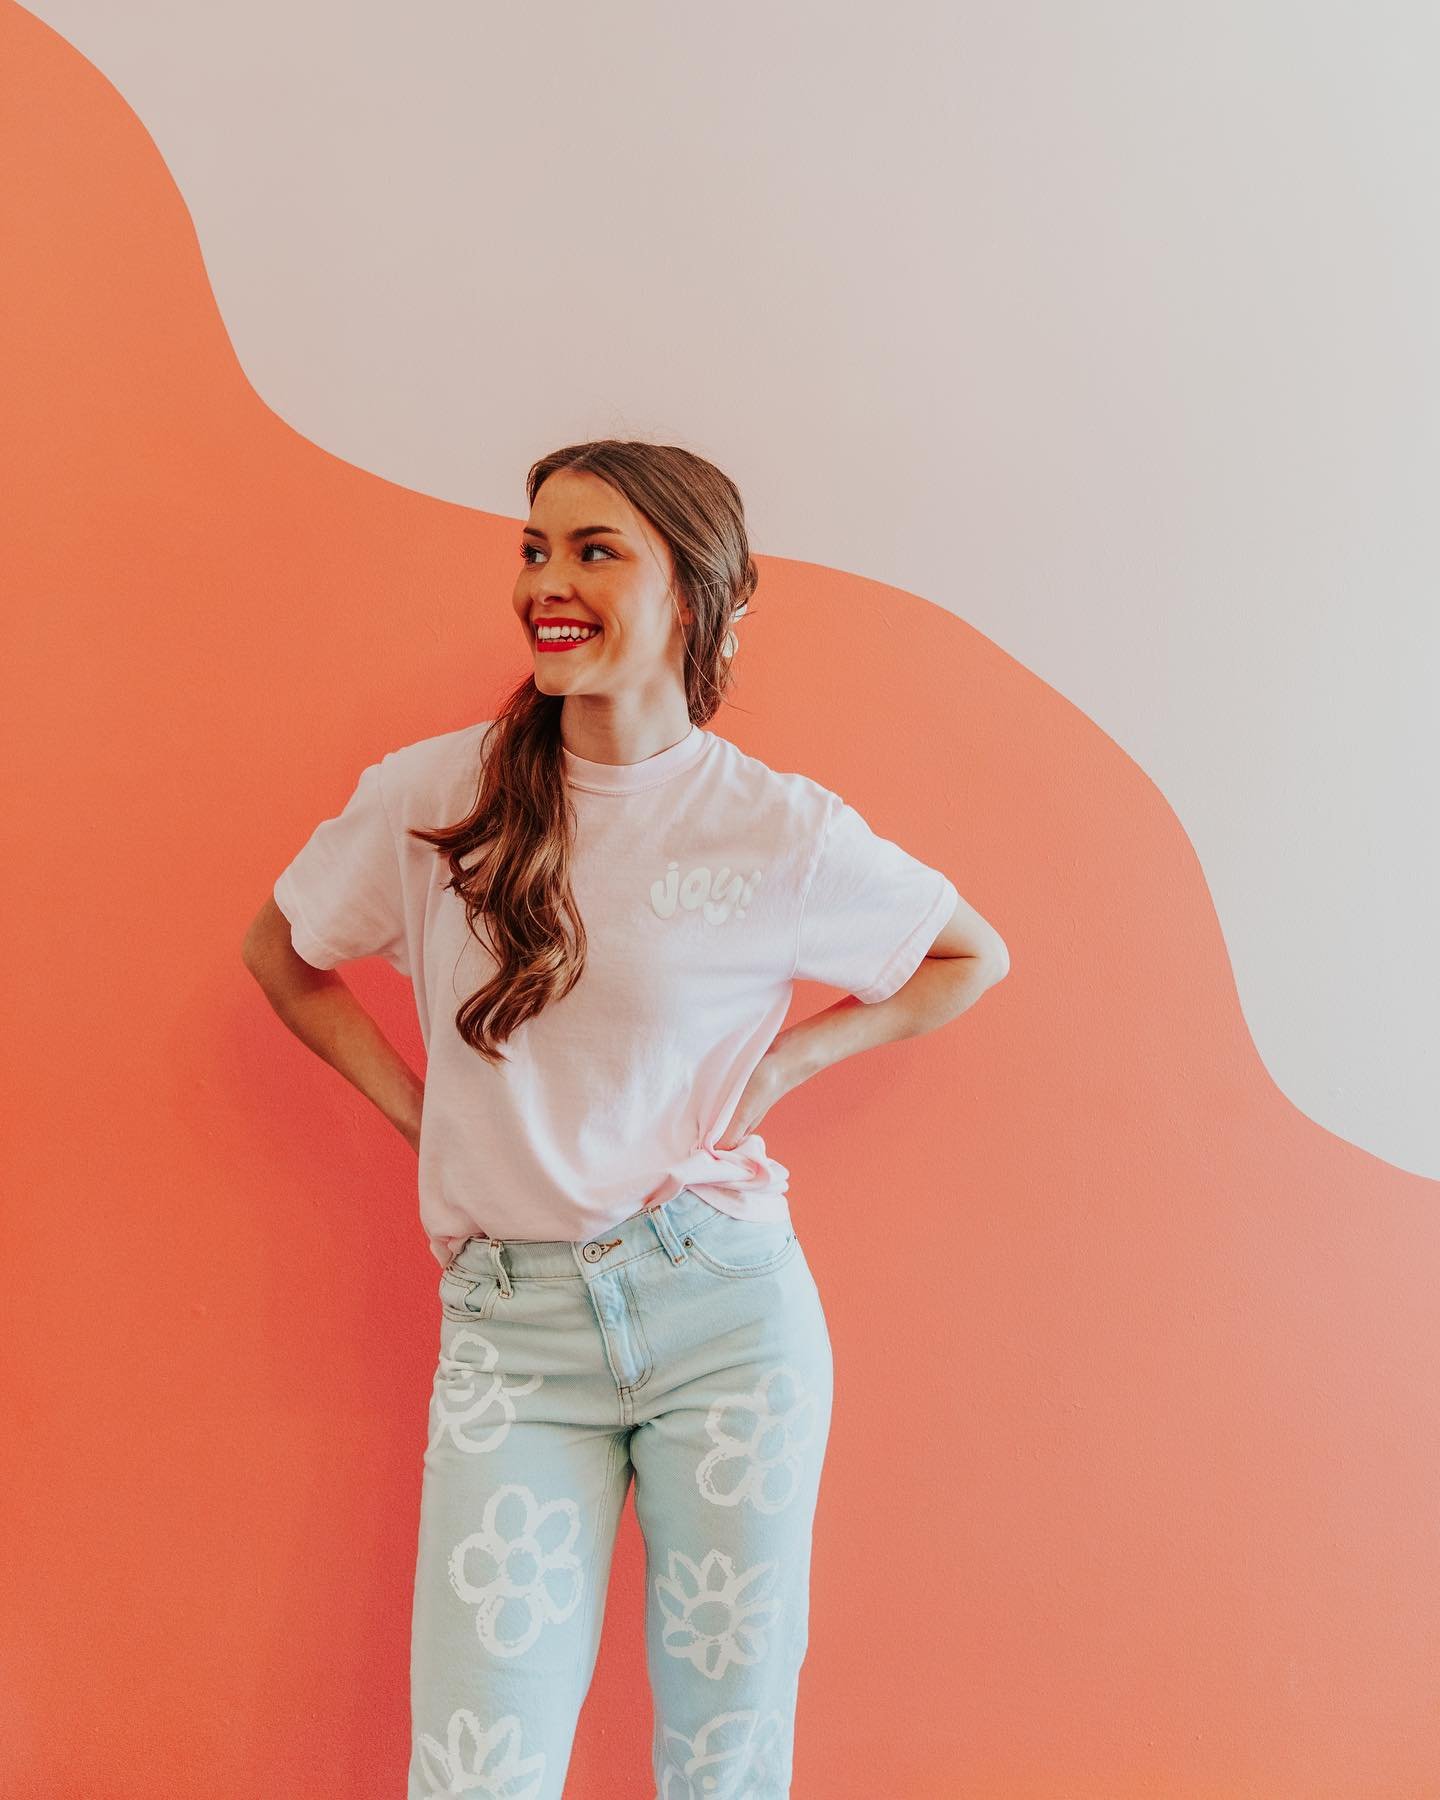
point(662, 1225)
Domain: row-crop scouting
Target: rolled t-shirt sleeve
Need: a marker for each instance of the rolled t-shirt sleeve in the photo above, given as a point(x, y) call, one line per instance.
point(871, 910)
point(343, 892)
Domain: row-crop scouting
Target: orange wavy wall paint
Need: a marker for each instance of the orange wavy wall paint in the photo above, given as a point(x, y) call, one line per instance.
point(1132, 1483)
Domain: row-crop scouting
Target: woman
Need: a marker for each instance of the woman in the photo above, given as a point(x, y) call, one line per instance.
point(602, 945)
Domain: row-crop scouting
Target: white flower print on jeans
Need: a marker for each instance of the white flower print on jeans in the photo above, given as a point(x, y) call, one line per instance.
point(714, 1616)
point(468, 1391)
point(727, 1759)
point(519, 1570)
point(759, 1438)
point(485, 1763)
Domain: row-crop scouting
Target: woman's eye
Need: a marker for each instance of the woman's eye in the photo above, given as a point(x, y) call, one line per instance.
point(525, 550)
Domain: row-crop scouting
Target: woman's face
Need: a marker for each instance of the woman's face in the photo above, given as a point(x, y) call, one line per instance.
point(617, 579)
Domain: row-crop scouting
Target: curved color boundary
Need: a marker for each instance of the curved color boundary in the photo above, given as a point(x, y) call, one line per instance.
point(1133, 1475)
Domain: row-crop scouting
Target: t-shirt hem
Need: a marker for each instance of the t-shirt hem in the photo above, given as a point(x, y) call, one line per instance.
point(315, 950)
point(905, 960)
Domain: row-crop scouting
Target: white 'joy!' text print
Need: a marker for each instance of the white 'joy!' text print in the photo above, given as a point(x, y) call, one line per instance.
point(720, 892)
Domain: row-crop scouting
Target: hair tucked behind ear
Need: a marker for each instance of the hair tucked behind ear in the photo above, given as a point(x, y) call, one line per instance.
point(522, 822)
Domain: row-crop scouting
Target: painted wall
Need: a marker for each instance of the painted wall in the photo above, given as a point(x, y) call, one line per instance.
point(1078, 371)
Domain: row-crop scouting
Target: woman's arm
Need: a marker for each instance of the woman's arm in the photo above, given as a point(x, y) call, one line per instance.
point(318, 1007)
point(967, 957)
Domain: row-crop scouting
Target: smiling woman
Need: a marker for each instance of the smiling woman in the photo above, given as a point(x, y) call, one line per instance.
point(591, 558)
point(633, 564)
point(622, 901)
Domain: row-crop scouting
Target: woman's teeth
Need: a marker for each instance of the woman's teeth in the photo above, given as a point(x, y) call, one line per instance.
point(563, 637)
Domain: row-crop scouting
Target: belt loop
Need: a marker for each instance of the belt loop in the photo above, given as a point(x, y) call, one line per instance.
point(502, 1274)
point(665, 1229)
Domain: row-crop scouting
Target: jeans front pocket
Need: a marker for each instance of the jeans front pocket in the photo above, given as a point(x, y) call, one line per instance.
point(467, 1296)
point(741, 1247)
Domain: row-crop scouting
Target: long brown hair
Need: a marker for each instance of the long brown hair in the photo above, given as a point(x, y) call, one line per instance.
point(523, 817)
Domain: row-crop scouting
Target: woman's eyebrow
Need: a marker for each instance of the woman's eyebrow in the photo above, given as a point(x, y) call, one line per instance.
point(579, 531)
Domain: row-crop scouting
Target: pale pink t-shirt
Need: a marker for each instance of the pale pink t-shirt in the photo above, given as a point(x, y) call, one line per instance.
point(707, 884)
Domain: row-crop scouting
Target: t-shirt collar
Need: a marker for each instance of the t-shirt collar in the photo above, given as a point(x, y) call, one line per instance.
point(631, 778)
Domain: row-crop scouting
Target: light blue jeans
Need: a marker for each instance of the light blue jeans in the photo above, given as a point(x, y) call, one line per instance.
point(686, 1348)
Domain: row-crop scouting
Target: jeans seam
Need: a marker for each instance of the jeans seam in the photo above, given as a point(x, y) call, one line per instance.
point(638, 1325)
